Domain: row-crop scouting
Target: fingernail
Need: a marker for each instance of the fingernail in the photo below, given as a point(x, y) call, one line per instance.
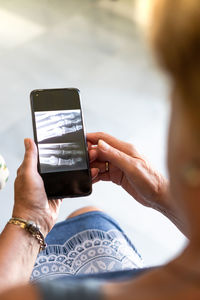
point(27, 144)
point(98, 171)
point(104, 146)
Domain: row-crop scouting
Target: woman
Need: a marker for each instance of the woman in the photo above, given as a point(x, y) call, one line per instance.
point(175, 28)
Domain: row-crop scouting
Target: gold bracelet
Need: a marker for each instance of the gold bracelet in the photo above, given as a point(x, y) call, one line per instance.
point(32, 228)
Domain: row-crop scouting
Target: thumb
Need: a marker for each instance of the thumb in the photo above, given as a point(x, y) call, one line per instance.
point(30, 157)
point(114, 156)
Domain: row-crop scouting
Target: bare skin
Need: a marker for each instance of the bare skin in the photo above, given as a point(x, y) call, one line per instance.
point(82, 211)
point(18, 249)
point(177, 280)
point(133, 173)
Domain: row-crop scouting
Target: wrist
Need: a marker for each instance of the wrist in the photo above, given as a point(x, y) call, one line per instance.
point(38, 218)
point(31, 228)
point(161, 201)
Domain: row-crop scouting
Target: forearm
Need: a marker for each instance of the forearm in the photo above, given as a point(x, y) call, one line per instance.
point(18, 252)
point(155, 285)
point(166, 206)
point(18, 246)
point(153, 190)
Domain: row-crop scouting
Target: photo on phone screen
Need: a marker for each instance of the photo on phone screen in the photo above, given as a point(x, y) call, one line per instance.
point(54, 128)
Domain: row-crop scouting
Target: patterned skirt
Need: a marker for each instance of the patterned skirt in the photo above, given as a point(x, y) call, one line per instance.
point(90, 243)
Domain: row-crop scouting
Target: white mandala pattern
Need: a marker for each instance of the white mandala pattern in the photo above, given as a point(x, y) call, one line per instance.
point(88, 252)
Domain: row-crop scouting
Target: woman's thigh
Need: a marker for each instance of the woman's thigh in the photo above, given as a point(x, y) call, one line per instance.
point(86, 243)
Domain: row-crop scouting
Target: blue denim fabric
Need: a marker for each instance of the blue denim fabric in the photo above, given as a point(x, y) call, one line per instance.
point(90, 243)
point(73, 290)
point(84, 287)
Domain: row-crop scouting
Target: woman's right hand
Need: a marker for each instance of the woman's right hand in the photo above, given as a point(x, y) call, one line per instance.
point(31, 201)
point(127, 168)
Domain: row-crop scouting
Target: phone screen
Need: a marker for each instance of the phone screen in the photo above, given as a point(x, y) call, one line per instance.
point(60, 140)
point(59, 134)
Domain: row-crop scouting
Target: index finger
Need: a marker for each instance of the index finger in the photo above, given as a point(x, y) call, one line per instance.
point(125, 147)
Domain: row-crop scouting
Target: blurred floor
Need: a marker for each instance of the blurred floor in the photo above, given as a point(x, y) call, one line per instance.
point(91, 45)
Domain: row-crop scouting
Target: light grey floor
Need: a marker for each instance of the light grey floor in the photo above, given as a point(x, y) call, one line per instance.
point(89, 45)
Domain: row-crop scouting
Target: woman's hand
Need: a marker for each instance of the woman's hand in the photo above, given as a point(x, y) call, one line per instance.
point(126, 168)
point(31, 201)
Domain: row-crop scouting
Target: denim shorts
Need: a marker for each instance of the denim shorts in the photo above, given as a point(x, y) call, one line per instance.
point(91, 243)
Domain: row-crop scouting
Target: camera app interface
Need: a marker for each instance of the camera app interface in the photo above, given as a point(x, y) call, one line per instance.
point(60, 141)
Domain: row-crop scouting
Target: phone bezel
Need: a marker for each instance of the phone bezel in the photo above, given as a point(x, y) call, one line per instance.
point(60, 174)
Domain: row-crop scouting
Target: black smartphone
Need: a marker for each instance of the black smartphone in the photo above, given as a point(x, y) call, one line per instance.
point(58, 127)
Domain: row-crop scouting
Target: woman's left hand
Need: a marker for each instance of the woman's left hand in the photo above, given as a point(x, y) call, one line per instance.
point(31, 201)
point(127, 168)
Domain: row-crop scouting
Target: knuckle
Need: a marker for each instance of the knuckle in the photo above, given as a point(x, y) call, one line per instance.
point(19, 182)
point(101, 134)
point(22, 176)
point(119, 155)
point(140, 166)
point(19, 170)
point(131, 148)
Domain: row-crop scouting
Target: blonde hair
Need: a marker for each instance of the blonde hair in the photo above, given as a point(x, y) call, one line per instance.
point(175, 34)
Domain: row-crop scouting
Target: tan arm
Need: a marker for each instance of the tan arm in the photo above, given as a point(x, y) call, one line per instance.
point(18, 248)
point(18, 252)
